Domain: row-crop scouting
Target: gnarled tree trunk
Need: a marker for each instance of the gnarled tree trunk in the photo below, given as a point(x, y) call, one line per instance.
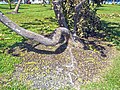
point(77, 16)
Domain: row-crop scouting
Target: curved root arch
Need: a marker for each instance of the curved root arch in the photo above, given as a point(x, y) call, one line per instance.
point(61, 31)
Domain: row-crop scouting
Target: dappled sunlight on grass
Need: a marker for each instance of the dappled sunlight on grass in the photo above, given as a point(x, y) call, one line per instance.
point(110, 16)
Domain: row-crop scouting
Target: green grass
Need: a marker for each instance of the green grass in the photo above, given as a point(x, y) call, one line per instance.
point(6, 64)
point(42, 20)
point(36, 18)
point(110, 16)
point(14, 85)
point(109, 13)
point(111, 80)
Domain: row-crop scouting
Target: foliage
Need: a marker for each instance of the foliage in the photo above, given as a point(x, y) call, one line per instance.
point(88, 22)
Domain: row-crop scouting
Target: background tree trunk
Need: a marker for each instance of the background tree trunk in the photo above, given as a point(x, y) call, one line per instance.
point(17, 7)
point(10, 6)
point(98, 3)
point(44, 2)
point(113, 1)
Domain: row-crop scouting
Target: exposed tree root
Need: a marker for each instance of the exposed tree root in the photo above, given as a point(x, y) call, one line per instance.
point(60, 34)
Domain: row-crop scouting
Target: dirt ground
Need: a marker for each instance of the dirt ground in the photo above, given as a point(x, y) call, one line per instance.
point(69, 64)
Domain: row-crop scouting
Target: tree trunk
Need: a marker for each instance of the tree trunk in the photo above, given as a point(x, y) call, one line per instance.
point(10, 6)
point(17, 7)
point(113, 1)
point(44, 2)
point(77, 16)
point(59, 14)
point(56, 39)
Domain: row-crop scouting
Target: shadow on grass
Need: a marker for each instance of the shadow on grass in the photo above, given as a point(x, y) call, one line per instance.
point(24, 46)
point(44, 10)
point(41, 26)
point(4, 7)
point(33, 23)
point(111, 31)
point(51, 19)
point(39, 22)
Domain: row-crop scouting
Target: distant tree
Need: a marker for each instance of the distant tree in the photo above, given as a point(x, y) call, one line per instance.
point(9, 2)
point(44, 2)
point(97, 2)
point(113, 1)
point(17, 7)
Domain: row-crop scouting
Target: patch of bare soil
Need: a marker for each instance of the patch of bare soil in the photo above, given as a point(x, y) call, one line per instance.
point(70, 64)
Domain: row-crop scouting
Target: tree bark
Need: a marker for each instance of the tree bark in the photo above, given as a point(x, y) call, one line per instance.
point(77, 15)
point(61, 31)
point(59, 14)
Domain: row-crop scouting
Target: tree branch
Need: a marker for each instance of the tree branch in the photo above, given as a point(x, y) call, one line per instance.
point(59, 14)
point(77, 14)
point(34, 36)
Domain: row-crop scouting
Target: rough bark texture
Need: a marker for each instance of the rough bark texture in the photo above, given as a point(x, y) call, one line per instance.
point(61, 31)
point(78, 16)
point(67, 13)
point(59, 14)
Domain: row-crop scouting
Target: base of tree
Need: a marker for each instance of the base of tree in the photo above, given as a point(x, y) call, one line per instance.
point(71, 64)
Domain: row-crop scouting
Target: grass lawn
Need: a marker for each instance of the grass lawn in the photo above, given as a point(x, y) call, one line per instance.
point(36, 18)
point(42, 20)
point(110, 16)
